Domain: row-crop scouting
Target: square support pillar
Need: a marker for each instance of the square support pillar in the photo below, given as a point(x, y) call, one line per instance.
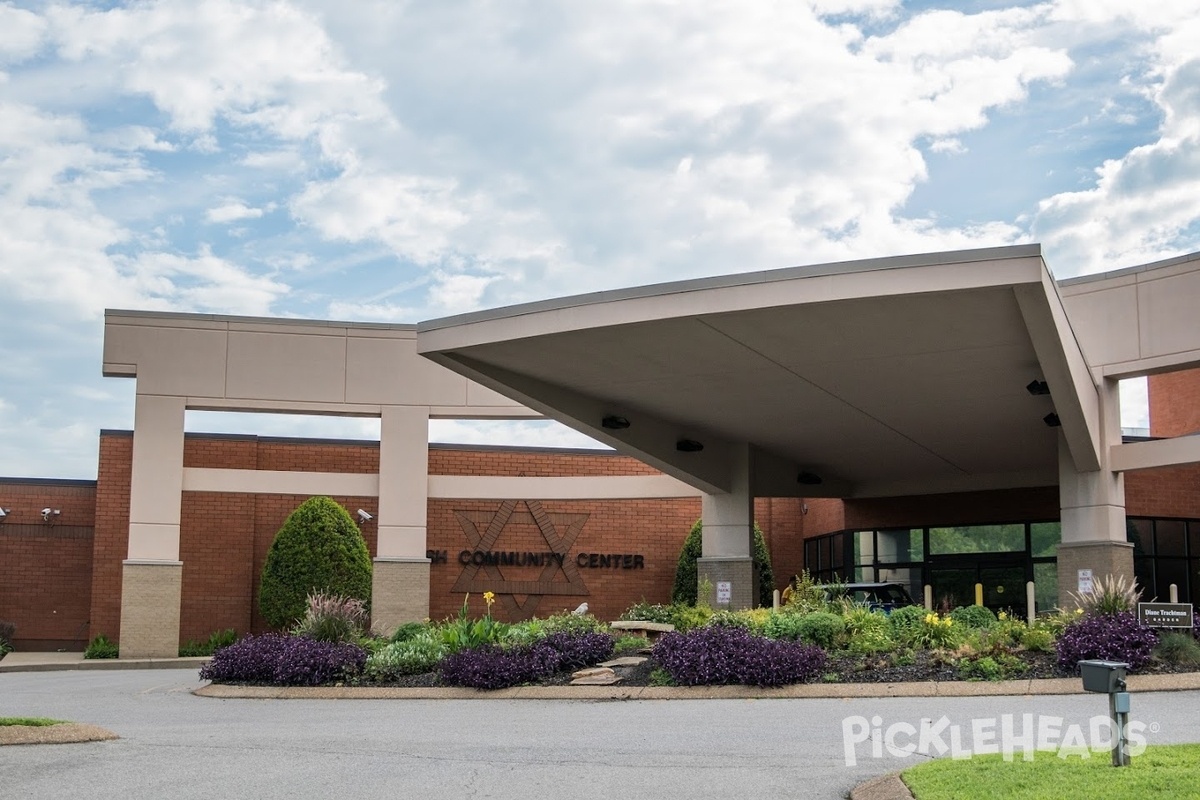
point(1102, 558)
point(739, 573)
point(399, 593)
point(150, 595)
point(403, 482)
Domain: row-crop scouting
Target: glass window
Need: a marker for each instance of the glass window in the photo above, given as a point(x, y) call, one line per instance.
point(1169, 537)
point(1143, 571)
point(837, 554)
point(1194, 538)
point(1045, 586)
point(909, 577)
point(1045, 537)
point(810, 556)
point(1166, 572)
point(977, 539)
point(900, 545)
point(864, 547)
point(1141, 533)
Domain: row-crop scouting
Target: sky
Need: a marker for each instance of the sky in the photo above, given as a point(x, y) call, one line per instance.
point(399, 161)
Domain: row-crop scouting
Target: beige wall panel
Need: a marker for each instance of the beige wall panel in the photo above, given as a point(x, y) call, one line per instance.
point(170, 360)
point(1105, 323)
point(281, 366)
point(149, 541)
point(1161, 453)
point(389, 372)
point(403, 469)
point(401, 541)
point(607, 487)
point(157, 476)
point(1169, 314)
point(262, 481)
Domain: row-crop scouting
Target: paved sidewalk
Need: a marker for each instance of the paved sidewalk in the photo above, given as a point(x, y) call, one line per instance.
point(53, 662)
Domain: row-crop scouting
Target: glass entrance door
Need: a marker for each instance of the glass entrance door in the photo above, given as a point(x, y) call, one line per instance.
point(1003, 579)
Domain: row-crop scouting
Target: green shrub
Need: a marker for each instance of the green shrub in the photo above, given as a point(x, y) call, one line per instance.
point(648, 612)
point(1177, 648)
point(318, 549)
point(630, 645)
point(867, 631)
point(464, 632)
point(1037, 639)
point(567, 622)
point(332, 618)
point(788, 627)
point(686, 618)
point(803, 595)
point(994, 666)
point(820, 628)
point(686, 578)
point(408, 630)
point(978, 617)
point(101, 647)
point(215, 642)
point(906, 624)
point(753, 619)
point(421, 652)
point(938, 632)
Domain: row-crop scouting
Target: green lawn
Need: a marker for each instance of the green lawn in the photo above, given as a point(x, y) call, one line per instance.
point(1161, 771)
point(31, 722)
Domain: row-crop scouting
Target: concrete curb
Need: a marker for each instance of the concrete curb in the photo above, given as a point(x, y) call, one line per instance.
point(63, 733)
point(1137, 683)
point(885, 787)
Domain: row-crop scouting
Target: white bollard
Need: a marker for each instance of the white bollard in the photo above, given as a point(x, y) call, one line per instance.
point(1030, 602)
point(1174, 593)
point(775, 601)
point(928, 597)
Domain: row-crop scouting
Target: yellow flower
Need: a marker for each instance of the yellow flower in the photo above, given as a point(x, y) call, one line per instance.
point(1003, 616)
point(489, 597)
point(930, 619)
point(1078, 611)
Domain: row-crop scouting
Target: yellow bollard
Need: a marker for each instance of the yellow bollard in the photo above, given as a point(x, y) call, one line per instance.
point(979, 594)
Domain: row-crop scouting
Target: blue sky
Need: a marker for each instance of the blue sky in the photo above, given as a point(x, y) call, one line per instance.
point(400, 161)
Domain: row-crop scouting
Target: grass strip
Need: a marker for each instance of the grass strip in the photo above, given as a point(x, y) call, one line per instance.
point(1161, 771)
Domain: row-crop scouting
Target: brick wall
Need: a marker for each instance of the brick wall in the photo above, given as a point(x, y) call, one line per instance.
point(1166, 492)
point(46, 569)
point(1174, 403)
point(111, 543)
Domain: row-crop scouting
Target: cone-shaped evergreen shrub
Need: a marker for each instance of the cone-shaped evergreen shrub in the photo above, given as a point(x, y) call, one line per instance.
point(686, 576)
point(318, 549)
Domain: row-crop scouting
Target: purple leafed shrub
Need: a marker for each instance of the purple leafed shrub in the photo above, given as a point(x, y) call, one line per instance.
point(1112, 637)
point(721, 655)
point(579, 650)
point(284, 661)
point(489, 667)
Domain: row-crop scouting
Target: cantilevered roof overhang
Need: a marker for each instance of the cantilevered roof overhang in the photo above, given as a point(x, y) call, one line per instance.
point(883, 377)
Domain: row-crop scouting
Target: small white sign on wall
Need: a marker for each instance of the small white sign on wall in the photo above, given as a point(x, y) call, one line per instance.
point(724, 592)
point(1085, 582)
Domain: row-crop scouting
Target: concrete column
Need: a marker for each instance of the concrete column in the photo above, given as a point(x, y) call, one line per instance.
point(727, 548)
point(400, 583)
point(1093, 508)
point(151, 577)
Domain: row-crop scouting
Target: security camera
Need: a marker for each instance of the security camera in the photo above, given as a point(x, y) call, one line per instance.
point(4, 513)
point(365, 516)
point(47, 513)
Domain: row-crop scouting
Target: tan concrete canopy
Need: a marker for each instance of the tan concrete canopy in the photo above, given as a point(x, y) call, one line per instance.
point(882, 377)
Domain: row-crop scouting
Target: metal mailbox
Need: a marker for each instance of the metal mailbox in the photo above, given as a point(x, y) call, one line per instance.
point(1107, 677)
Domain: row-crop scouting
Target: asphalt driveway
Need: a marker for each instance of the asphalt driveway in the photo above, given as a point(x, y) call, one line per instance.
point(174, 744)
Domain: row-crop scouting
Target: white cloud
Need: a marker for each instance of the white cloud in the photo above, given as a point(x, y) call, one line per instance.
point(232, 211)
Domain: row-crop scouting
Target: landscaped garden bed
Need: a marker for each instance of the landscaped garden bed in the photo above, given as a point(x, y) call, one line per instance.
point(810, 640)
